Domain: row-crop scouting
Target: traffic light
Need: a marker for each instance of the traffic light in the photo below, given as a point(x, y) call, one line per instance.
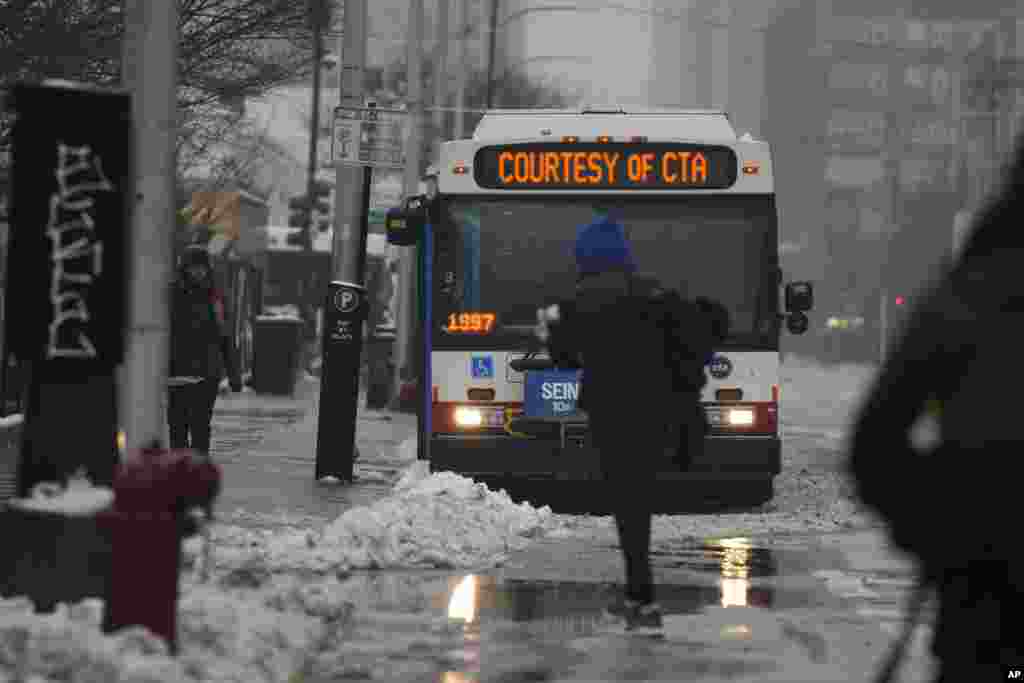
point(301, 219)
point(321, 191)
point(320, 205)
point(303, 209)
point(901, 300)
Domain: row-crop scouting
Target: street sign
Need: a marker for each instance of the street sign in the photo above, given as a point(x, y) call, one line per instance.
point(368, 136)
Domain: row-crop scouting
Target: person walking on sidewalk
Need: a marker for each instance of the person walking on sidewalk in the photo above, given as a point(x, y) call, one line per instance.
point(633, 339)
point(200, 352)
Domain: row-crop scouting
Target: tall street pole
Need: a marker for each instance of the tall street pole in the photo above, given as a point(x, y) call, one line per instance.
point(150, 72)
point(347, 261)
point(318, 15)
point(406, 357)
point(461, 70)
point(492, 50)
point(443, 34)
point(336, 451)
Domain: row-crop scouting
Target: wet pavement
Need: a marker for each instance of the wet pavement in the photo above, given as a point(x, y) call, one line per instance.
point(736, 609)
point(812, 607)
point(266, 447)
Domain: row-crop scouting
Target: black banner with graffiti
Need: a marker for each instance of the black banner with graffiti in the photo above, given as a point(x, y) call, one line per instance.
point(71, 187)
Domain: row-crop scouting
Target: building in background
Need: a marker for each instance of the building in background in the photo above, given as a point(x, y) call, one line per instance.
point(907, 114)
point(890, 121)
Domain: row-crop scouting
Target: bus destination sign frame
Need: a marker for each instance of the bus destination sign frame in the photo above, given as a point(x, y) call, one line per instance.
point(607, 166)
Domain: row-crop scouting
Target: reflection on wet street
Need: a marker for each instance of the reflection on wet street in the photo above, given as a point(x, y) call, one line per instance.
point(513, 629)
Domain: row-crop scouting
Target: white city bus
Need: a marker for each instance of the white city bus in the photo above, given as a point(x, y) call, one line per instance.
point(497, 236)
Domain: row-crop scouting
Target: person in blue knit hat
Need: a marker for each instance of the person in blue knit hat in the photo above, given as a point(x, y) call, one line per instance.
point(642, 350)
point(602, 247)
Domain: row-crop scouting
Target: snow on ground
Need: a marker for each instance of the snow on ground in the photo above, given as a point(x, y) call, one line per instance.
point(818, 405)
point(434, 521)
point(223, 637)
point(282, 585)
point(447, 521)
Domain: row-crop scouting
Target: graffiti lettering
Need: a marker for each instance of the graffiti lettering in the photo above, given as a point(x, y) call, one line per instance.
point(76, 251)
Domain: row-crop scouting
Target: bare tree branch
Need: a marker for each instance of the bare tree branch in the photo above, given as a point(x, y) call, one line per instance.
point(230, 50)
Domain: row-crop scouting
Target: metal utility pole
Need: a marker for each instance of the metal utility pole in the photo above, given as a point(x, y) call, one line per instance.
point(150, 71)
point(406, 358)
point(319, 13)
point(461, 70)
point(349, 192)
point(443, 33)
point(336, 451)
point(492, 50)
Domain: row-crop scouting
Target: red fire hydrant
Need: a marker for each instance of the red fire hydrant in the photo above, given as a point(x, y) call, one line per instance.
point(154, 492)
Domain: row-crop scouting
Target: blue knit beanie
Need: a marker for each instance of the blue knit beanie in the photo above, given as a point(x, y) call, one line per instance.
point(602, 246)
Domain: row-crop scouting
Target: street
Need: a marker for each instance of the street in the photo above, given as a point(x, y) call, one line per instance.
point(501, 207)
point(408, 576)
point(802, 590)
point(815, 608)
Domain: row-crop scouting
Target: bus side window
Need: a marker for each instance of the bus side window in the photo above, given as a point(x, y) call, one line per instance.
point(446, 259)
point(469, 232)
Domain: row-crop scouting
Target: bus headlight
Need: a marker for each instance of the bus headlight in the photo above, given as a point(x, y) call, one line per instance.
point(741, 417)
point(468, 417)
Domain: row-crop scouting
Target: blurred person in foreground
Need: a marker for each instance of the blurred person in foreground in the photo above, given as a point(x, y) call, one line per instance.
point(952, 503)
point(200, 352)
point(633, 339)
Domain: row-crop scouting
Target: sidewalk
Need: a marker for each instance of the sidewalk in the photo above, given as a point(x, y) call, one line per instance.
point(269, 472)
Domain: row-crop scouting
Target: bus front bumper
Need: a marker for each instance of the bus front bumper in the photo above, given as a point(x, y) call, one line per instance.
point(730, 470)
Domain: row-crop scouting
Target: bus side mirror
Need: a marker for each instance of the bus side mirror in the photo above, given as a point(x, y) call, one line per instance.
point(799, 297)
point(404, 225)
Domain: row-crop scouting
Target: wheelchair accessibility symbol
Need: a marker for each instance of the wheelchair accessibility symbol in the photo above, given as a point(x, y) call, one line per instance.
point(346, 300)
point(482, 367)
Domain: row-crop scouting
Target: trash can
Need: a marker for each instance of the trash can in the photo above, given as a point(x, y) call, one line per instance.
point(277, 342)
point(380, 359)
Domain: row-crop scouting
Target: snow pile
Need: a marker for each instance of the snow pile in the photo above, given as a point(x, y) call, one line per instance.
point(11, 421)
point(222, 638)
point(226, 637)
point(69, 646)
point(440, 520)
point(819, 404)
point(78, 498)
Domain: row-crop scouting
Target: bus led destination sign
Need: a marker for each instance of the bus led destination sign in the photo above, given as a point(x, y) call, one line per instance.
point(605, 166)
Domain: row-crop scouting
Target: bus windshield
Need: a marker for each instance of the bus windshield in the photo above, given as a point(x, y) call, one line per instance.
point(510, 255)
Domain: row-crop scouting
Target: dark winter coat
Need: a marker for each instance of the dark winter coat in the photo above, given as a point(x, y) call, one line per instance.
point(197, 332)
point(960, 360)
point(642, 351)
